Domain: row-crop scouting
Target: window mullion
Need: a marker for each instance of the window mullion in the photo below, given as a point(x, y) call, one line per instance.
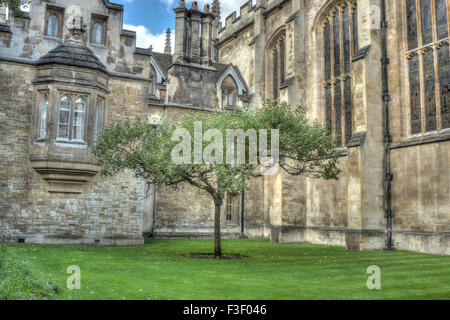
point(437, 85)
point(433, 21)
point(342, 48)
point(419, 23)
point(333, 75)
point(71, 117)
point(422, 93)
point(351, 8)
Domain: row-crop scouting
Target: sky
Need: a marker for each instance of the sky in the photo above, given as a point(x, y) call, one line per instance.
point(151, 18)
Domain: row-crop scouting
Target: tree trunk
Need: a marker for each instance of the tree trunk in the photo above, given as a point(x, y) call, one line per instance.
point(217, 244)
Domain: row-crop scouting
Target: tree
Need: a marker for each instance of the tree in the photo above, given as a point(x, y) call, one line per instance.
point(197, 149)
point(15, 5)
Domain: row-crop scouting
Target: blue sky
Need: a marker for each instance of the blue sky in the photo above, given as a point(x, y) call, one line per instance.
point(151, 18)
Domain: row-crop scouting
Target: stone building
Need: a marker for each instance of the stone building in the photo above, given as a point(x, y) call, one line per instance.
point(375, 71)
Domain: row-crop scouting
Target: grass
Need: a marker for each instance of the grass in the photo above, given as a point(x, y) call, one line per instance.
point(273, 271)
point(19, 280)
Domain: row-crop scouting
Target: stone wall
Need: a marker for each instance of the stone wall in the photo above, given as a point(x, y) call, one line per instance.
point(29, 40)
point(108, 211)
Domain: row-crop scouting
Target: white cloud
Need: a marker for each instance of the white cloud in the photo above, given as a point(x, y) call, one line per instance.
point(145, 38)
point(226, 6)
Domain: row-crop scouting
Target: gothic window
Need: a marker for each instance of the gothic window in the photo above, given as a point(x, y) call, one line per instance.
point(278, 62)
point(71, 118)
point(98, 111)
point(275, 74)
point(282, 62)
point(428, 64)
point(44, 113)
point(64, 117)
point(97, 33)
point(53, 26)
point(340, 36)
point(78, 119)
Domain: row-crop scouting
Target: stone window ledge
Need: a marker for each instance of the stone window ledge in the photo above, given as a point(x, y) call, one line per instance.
point(425, 139)
point(70, 143)
point(97, 45)
point(287, 82)
point(361, 53)
point(57, 39)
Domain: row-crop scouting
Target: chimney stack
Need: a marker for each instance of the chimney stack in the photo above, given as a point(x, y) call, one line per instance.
point(168, 47)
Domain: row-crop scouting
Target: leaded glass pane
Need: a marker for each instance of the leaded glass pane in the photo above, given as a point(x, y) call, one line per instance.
point(412, 24)
point(346, 31)
point(327, 48)
point(97, 119)
point(337, 113)
point(275, 74)
point(337, 46)
point(444, 73)
point(430, 91)
point(328, 109)
point(441, 19)
point(64, 118)
point(355, 28)
point(282, 57)
point(427, 22)
point(53, 25)
point(97, 33)
point(348, 110)
point(414, 82)
point(78, 119)
point(43, 126)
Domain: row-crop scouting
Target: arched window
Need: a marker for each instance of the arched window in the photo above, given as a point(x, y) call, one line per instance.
point(98, 110)
point(44, 112)
point(97, 33)
point(71, 118)
point(428, 64)
point(78, 119)
point(65, 107)
point(53, 26)
point(340, 44)
point(278, 65)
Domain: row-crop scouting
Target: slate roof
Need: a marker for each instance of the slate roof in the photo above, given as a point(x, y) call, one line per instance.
point(73, 54)
point(164, 62)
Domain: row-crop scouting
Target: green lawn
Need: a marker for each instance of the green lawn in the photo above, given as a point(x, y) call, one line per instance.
point(273, 271)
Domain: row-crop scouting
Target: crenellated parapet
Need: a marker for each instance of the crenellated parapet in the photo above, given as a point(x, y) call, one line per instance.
point(235, 24)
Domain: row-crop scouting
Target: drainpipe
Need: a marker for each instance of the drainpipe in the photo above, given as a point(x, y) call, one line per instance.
point(389, 213)
point(243, 235)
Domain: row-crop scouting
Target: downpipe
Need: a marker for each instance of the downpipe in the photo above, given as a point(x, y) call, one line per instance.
point(389, 213)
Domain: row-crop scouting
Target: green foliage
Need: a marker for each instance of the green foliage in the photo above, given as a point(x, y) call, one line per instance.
point(20, 281)
point(15, 6)
point(146, 149)
point(305, 149)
